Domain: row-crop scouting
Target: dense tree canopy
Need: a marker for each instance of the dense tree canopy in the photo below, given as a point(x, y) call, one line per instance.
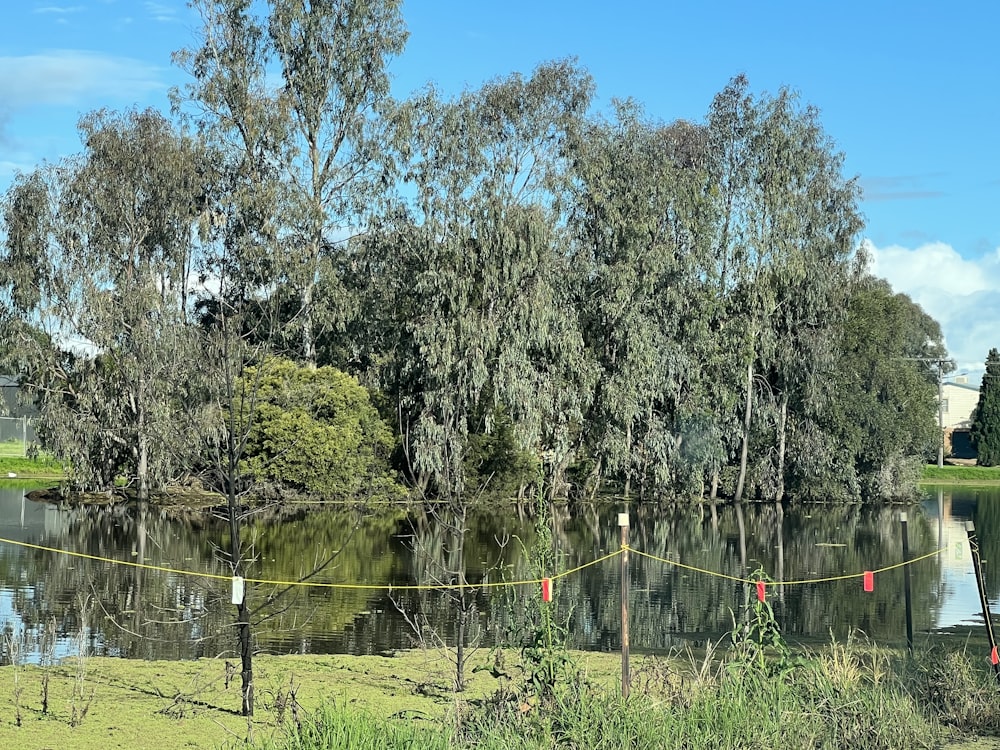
point(601, 300)
point(986, 420)
point(302, 284)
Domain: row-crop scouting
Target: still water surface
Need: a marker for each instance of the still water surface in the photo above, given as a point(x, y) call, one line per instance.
point(135, 612)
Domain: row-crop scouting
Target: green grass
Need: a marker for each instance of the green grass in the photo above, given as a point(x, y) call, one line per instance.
point(843, 696)
point(42, 467)
point(967, 474)
point(864, 699)
point(12, 448)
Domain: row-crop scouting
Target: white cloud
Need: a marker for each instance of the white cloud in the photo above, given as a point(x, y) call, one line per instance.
point(161, 12)
point(59, 9)
point(69, 77)
point(962, 294)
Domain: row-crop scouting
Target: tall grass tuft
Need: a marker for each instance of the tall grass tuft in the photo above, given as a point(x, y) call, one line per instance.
point(959, 690)
point(336, 727)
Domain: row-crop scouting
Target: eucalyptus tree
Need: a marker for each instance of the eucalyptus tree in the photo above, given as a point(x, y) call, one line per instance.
point(880, 421)
point(477, 270)
point(289, 95)
point(785, 236)
point(97, 270)
point(231, 106)
point(477, 332)
point(639, 220)
point(303, 89)
point(813, 231)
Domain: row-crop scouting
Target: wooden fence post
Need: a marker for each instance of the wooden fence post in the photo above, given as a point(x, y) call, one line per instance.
point(906, 583)
point(626, 674)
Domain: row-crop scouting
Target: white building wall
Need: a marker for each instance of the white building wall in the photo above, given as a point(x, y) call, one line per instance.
point(960, 401)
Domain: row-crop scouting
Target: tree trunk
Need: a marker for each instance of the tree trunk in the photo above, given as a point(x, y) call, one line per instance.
point(779, 492)
point(744, 446)
point(628, 464)
point(246, 657)
point(142, 470)
point(308, 340)
point(779, 532)
point(712, 495)
point(594, 479)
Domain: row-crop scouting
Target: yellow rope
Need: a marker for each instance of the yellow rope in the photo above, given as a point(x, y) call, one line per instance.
point(129, 563)
point(578, 568)
point(457, 586)
point(313, 584)
point(827, 579)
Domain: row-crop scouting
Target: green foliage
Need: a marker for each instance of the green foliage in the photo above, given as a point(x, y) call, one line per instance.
point(470, 277)
point(656, 305)
point(986, 419)
point(547, 669)
point(316, 431)
point(880, 422)
point(958, 688)
point(336, 725)
point(496, 465)
point(97, 271)
point(844, 698)
point(758, 646)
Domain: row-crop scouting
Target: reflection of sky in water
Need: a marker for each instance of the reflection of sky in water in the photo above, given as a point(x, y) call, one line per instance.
point(26, 521)
point(13, 626)
point(960, 604)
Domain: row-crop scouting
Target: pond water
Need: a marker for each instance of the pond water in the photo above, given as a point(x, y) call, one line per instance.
point(60, 604)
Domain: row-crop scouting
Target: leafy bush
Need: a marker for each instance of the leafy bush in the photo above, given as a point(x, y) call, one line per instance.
point(317, 431)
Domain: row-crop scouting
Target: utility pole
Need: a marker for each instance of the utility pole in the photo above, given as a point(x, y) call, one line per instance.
point(940, 364)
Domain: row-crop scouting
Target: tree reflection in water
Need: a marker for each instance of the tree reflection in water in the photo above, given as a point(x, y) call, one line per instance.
point(151, 613)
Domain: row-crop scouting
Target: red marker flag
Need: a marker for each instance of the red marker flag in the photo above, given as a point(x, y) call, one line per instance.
point(994, 659)
point(760, 591)
point(546, 589)
point(869, 581)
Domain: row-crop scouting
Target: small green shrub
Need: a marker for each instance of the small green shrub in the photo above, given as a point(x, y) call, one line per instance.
point(317, 431)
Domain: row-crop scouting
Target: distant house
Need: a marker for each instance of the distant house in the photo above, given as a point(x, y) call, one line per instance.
point(959, 400)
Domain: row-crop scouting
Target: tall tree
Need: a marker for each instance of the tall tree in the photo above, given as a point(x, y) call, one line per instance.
point(815, 225)
point(232, 107)
point(986, 420)
point(476, 269)
point(787, 230)
point(97, 266)
point(289, 95)
point(321, 131)
point(880, 421)
point(638, 219)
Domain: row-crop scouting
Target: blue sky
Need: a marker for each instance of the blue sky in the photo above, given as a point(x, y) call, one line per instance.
point(907, 91)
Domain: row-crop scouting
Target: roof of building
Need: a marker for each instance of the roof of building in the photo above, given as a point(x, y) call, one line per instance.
point(964, 386)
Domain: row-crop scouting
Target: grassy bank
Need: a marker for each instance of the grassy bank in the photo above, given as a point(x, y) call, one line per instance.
point(840, 697)
point(961, 475)
point(30, 468)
